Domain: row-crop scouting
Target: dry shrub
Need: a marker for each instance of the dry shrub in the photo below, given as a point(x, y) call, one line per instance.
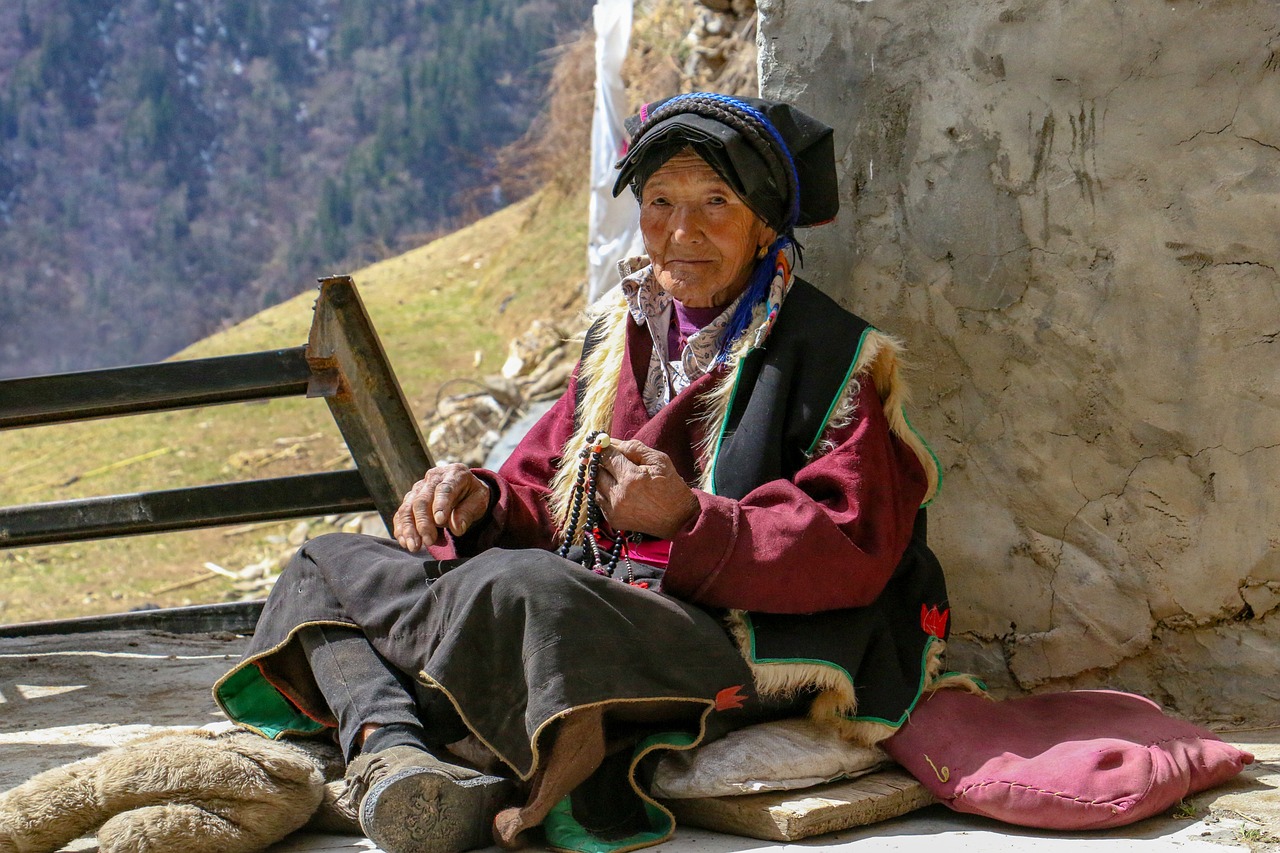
point(556, 148)
point(553, 150)
point(660, 49)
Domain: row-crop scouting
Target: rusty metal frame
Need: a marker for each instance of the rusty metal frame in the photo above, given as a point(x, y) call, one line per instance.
point(60, 398)
point(350, 369)
point(344, 362)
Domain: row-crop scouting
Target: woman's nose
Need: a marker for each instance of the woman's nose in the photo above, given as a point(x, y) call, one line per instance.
point(685, 225)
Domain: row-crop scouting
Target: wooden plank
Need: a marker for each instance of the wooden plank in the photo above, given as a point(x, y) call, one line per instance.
point(792, 815)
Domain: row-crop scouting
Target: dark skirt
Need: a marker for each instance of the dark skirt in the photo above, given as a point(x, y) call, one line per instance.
point(512, 640)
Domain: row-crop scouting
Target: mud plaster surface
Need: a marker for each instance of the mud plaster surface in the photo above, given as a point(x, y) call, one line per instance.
point(1068, 210)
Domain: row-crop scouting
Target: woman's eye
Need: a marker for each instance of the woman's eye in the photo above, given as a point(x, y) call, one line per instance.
point(718, 199)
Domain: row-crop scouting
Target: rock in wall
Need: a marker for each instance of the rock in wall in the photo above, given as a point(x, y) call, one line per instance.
point(1069, 209)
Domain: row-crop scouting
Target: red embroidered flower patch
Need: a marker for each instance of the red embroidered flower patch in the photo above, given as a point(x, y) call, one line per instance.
point(730, 698)
point(932, 622)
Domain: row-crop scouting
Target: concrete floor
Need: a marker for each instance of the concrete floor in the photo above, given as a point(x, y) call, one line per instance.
point(66, 697)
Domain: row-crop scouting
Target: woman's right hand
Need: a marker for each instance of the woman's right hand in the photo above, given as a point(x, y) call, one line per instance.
point(446, 496)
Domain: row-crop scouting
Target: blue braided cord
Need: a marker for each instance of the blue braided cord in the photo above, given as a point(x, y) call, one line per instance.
point(794, 212)
point(757, 291)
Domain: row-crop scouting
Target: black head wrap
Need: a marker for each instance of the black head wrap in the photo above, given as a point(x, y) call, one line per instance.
point(778, 159)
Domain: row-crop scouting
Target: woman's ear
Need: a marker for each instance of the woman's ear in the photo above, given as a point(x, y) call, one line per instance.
point(765, 240)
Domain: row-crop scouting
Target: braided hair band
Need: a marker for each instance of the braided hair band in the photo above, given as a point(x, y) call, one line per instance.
point(779, 160)
point(747, 140)
point(734, 137)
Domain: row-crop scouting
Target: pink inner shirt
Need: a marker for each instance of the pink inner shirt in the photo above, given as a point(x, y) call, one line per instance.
point(686, 321)
point(655, 552)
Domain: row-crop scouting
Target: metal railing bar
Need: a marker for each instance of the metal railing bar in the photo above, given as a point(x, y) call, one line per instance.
point(183, 509)
point(236, 617)
point(38, 400)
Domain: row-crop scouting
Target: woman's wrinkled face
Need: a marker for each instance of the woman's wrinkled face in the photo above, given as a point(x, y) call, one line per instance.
point(701, 237)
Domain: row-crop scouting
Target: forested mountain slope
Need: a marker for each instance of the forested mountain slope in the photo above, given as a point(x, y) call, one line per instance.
point(170, 166)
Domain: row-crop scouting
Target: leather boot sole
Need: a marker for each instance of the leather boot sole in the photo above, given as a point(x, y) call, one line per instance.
point(421, 810)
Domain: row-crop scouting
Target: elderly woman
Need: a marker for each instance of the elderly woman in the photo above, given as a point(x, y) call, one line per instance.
point(719, 522)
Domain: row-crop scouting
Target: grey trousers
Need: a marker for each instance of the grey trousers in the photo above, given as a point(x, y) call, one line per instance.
point(362, 687)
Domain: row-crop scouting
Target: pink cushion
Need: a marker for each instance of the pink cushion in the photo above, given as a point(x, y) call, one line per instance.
point(1086, 759)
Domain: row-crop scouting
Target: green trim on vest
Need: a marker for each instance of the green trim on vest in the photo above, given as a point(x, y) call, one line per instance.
point(724, 425)
point(835, 401)
point(924, 675)
point(937, 463)
point(751, 631)
point(250, 700)
point(563, 831)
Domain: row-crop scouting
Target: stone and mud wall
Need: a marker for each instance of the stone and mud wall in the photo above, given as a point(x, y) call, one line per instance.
point(1070, 210)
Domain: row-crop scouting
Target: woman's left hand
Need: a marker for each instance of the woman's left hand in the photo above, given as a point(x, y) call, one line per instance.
point(640, 490)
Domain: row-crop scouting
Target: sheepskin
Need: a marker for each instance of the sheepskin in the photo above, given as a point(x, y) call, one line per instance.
point(194, 791)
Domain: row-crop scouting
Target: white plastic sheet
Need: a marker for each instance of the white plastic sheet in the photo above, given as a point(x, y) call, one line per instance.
point(614, 225)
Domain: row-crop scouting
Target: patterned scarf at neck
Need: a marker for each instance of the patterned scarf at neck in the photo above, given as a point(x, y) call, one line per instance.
point(652, 307)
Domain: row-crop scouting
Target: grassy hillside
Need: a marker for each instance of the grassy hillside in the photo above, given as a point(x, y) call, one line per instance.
point(444, 310)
